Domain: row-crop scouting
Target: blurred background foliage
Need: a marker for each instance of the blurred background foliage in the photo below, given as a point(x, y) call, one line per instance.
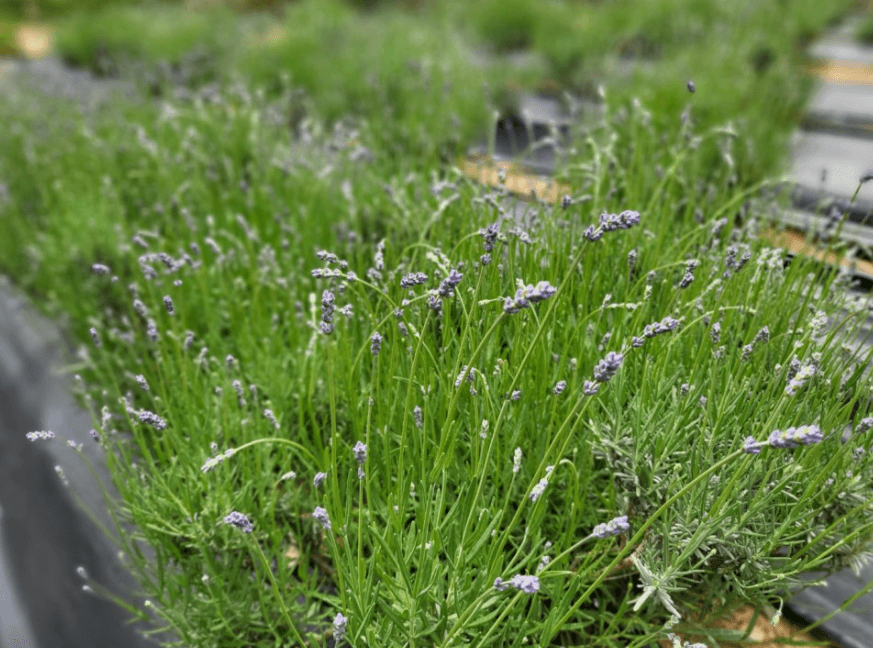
point(359, 57)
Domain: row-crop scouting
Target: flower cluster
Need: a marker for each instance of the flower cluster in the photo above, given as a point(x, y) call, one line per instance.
point(688, 277)
point(211, 463)
point(327, 308)
point(339, 628)
point(614, 527)
point(523, 583)
point(375, 343)
point(150, 418)
point(240, 521)
point(446, 289)
point(360, 451)
point(790, 438)
point(611, 223)
point(527, 295)
point(538, 490)
point(799, 379)
point(490, 234)
point(607, 367)
point(465, 374)
point(42, 435)
point(321, 517)
point(656, 328)
point(412, 279)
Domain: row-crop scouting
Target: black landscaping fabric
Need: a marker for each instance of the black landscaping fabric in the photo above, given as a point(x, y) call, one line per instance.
point(44, 535)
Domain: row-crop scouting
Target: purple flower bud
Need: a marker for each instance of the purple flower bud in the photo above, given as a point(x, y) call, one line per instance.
point(376, 343)
point(321, 517)
point(240, 521)
point(566, 201)
point(417, 415)
point(168, 304)
point(691, 87)
point(100, 269)
point(318, 479)
point(560, 386)
point(95, 337)
point(590, 388)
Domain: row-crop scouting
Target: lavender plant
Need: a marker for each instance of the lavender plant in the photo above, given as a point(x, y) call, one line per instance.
point(548, 445)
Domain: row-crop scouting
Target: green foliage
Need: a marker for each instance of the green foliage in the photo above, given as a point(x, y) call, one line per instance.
point(119, 36)
point(864, 31)
point(210, 201)
point(338, 132)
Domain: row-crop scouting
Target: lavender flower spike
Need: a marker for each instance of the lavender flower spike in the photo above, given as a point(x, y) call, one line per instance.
point(607, 367)
point(322, 517)
point(614, 527)
point(527, 295)
point(542, 291)
point(750, 446)
point(240, 521)
point(500, 585)
point(792, 437)
point(448, 285)
point(339, 627)
point(526, 584)
point(375, 343)
point(40, 435)
point(150, 418)
point(360, 451)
